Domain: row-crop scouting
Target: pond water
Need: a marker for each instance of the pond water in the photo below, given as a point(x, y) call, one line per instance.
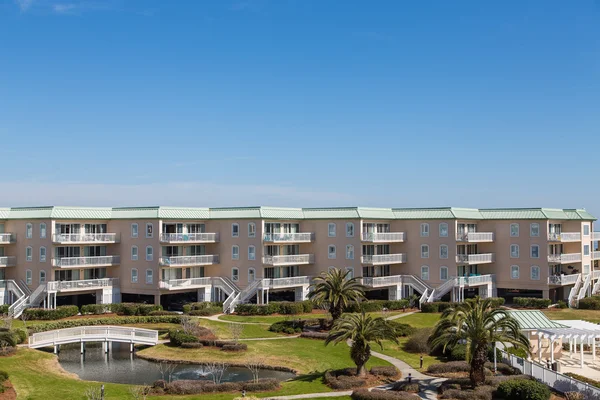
point(120, 366)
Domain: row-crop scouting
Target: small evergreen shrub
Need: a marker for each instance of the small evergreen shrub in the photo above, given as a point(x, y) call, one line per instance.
point(343, 379)
point(178, 337)
point(430, 308)
point(134, 308)
point(365, 394)
point(590, 303)
point(4, 309)
point(388, 371)
point(562, 304)
point(72, 323)
point(51, 314)
point(191, 345)
point(522, 389)
point(532, 302)
point(289, 327)
point(314, 335)
point(418, 341)
point(235, 347)
point(402, 330)
point(95, 309)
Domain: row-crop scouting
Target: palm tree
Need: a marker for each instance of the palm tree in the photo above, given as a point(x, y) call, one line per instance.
point(336, 290)
point(476, 323)
point(361, 329)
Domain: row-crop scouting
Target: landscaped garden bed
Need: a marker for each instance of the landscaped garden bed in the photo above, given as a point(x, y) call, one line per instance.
point(344, 379)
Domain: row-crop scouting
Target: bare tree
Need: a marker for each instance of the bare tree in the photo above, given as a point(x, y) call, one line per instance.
point(24, 318)
point(7, 321)
point(187, 324)
point(166, 370)
point(140, 392)
point(216, 370)
point(255, 364)
point(93, 393)
point(236, 331)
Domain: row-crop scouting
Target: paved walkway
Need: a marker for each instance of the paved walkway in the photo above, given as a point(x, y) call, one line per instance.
point(393, 317)
point(216, 318)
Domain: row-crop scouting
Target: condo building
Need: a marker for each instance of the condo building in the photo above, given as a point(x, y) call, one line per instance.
point(52, 256)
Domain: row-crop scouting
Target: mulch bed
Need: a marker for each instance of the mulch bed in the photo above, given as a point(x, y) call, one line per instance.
point(9, 392)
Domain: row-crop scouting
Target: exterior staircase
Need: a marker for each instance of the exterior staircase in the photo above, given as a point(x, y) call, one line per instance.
point(573, 294)
point(441, 290)
point(596, 288)
point(230, 289)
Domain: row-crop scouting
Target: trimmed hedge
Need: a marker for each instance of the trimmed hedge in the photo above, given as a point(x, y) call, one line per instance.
point(584, 379)
point(343, 379)
point(388, 371)
point(377, 305)
point(192, 345)
point(289, 327)
point(51, 314)
point(532, 302)
point(8, 339)
point(314, 335)
point(364, 394)
point(178, 337)
point(95, 309)
point(203, 309)
point(234, 347)
point(522, 389)
point(182, 387)
point(284, 307)
point(72, 323)
point(134, 308)
point(441, 306)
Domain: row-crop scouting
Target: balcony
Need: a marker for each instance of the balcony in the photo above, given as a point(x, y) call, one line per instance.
point(382, 281)
point(86, 284)
point(562, 280)
point(278, 283)
point(75, 262)
point(8, 261)
point(475, 237)
point(564, 258)
point(596, 255)
point(384, 259)
point(6, 238)
point(383, 237)
point(188, 261)
point(595, 235)
point(298, 259)
point(189, 283)
point(476, 280)
point(189, 238)
point(73, 238)
point(468, 259)
point(564, 237)
point(304, 237)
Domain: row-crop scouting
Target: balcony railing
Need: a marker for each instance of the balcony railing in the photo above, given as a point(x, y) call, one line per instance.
point(564, 258)
point(378, 259)
point(596, 255)
point(595, 235)
point(86, 238)
point(563, 279)
point(475, 258)
point(297, 259)
point(476, 280)
point(475, 237)
point(276, 283)
point(303, 237)
point(181, 261)
point(69, 262)
point(9, 261)
point(174, 284)
point(189, 237)
point(85, 284)
point(6, 238)
point(564, 237)
point(383, 237)
point(382, 281)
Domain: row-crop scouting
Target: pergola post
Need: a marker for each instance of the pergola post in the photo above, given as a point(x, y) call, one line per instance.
point(552, 350)
point(571, 347)
point(581, 351)
point(539, 335)
point(593, 348)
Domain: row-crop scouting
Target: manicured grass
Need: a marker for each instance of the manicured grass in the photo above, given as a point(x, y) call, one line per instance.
point(412, 359)
point(250, 331)
point(269, 319)
point(573, 313)
point(420, 320)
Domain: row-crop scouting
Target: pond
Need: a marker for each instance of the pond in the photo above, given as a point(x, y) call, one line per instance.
point(120, 366)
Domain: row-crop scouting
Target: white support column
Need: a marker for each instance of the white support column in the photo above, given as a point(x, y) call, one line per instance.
point(570, 347)
point(539, 335)
point(594, 349)
point(82, 346)
point(552, 351)
point(581, 351)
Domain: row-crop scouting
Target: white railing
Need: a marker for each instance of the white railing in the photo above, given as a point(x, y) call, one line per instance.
point(189, 260)
point(584, 287)
point(92, 334)
point(384, 237)
point(85, 238)
point(7, 238)
point(556, 380)
point(596, 255)
point(384, 259)
point(475, 258)
point(38, 294)
point(595, 235)
point(563, 279)
point(383, 281)
point(574, 292)
point(565, 237)
point(480, 280)
point(444, 288)
point(564, 258)
point(225, 285)
point(475, 237)
point(289, 260)
point(84, 284)
point(10, 261)
point(416, 283)
point(67, 262)
point(285, 282)
point(173, 284)
point(288, 237)
point(189, 237)
point(229, 303)
point(424, 297)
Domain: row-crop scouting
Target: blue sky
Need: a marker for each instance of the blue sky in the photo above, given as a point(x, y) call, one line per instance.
point(300, 103)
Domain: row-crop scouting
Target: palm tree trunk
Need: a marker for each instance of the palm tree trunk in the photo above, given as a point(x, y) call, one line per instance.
point(477, 373)
point(335, 312)
point(360, 354)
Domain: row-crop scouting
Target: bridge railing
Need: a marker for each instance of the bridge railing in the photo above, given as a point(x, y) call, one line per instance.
point(93, 333)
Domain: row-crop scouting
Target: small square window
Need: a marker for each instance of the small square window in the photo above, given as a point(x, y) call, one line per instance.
point(331, 231)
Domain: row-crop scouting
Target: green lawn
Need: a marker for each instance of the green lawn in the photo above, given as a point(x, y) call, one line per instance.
point(271, 319)
point(420, 320)
point(573, 313)
point(251, 331)
point(412, 359)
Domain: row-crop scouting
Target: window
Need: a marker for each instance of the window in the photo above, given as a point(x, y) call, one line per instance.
point(349, 229)
point(514, 272)
point(29, 253)
point(29, 231)
point(534, 230)
point(42, 277)
point(235, 252)
point(251, 253)
point(349, 252)
point(149, 276)
point(586, 249)
point(235, 274)
point(331, 230)
point(134, 275)
point(424, 251)
point(134, 231)
point(586, 230)
point(425, 272)
point(424, 230)
point(331, 251)
point(535, 272)
point(42, 254)
point(28, 277)
point(443, 229)
point(149, 230)
point(535, 251)
point(586, 269)
point(443, 251)
point(350, 271)
point(514, 251)
point(251, 229)
point(514, 230)
point(134, 253)
point(444, 273)
point(251, 274)
point(235, 230)
point(42, 230)
point(149, 253)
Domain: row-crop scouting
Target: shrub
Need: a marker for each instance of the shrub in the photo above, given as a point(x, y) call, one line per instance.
point(7, 351)
point(479, 393)
point(4, 309)
point(388, 371)
point(3, 376)
point(417, 342)
point(522, 389)
point(284, 307)
point(134, 308)
point(178, 337)
point(206, 312)
point(562, 304)
point(449, 367)
point(377, 305)
point(590, 303)
point(497, 301)
point(289, 327)
point(260, 386)
point(162, 312)
point(51, 314)
point(95, 309)
point(191, 345)
point(404, 386)
point(532, 302)
point(314, 335)
point(504, 369)
point(364, 394)
point(235, 347)
point(402, 329)
point(584, 379)
point(430, 307)
point(458, 353)
point(574, 396)
point(49, 326)
point(201, 306)
point(195, 387)
point(343, 379)
point(21, 335)
point(519, 352)
point(8, 339)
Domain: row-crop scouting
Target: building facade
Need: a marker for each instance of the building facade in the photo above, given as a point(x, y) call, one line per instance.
point(74, 255)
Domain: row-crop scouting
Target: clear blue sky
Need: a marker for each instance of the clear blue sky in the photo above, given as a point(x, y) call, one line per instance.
point(300, 103)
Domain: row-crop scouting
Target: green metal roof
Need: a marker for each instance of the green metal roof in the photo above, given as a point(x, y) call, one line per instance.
point(515, 213)
point(4, 213)
point(423, 213)
point(331, 213)
point(533, 319)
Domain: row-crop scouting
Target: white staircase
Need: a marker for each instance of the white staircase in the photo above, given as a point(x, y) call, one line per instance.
point(443, 289)
point(596, 288)
point(575, 292)
point(230, 289)
point(249, 291)
point(37, 296)
point(16, 308)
